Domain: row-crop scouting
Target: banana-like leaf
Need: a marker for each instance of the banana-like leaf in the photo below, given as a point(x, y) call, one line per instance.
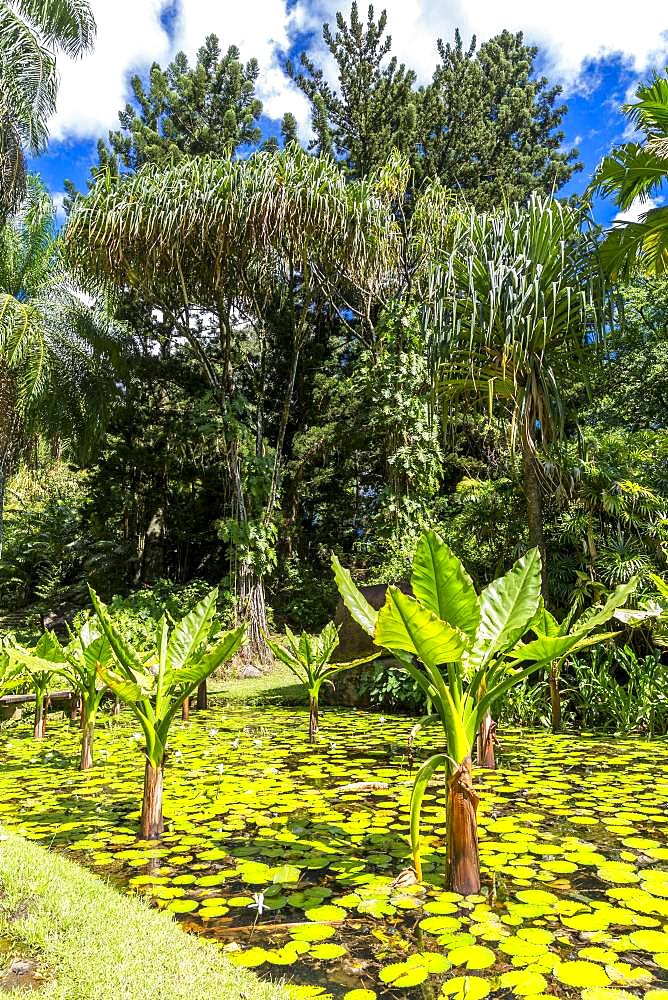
point(358, 606)
point(189, 634)
point(637, 616)
point(225, 648)
point(97, 651)
point(592, 619)
point(442, 585)
point(337, 668)
point(125, 689)
point(544, 623)
point(403, 624)
point(286, 656)
point(422, 779)
point(48, 648)
point(545, 647)
point(508, 606)
point(128, 659)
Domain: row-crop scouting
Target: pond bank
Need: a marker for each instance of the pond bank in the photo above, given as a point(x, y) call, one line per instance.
point(86, 940)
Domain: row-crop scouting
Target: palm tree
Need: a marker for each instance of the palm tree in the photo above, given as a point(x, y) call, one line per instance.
point(520, 300)
point(31, 31)
point(57, 352)
point(637, 171)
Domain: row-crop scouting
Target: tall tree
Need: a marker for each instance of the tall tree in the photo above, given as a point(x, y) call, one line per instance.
point(375, 107)
point(31, 32)
point(522, 298)
point(490, 127)
point(210, 107)
point(237, 238)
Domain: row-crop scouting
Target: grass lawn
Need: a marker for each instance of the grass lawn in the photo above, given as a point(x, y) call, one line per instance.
point(90, 942)
point(278, 686)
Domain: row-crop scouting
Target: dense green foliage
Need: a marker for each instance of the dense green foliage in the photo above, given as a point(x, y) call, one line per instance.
point(287, 375)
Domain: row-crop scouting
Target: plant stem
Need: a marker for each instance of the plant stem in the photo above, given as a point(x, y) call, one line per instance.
point(463, 863)
point(152, 822)
point(313, 718)
point(86, 759)
point(486, 733)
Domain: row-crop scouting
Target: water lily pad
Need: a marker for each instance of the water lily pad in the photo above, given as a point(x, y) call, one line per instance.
point(581, 974)
point(466, 988)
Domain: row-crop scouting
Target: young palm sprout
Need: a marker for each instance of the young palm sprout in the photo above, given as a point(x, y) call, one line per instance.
point(154, 688)
point(470, 652)
point(308, 658)
point(85, 651)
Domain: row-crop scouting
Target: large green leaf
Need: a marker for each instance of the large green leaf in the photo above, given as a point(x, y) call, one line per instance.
point(358, 606)
point(508, 606)
point(403, 624)
point(127, 658)
point(226, 647)
point(592, 619)
point(189, 634)
point(128, 691)
point(442, 585)
point(286, 656)
point(545, 647)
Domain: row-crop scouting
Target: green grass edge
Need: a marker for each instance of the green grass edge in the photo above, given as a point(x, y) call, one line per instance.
point(93, 943)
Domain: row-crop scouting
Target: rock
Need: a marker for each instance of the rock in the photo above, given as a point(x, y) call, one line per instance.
point(248, 671)
point(363, 786)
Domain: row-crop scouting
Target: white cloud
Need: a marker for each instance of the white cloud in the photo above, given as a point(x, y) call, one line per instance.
point(571, 34)
point(95, 88)
point(637, 208)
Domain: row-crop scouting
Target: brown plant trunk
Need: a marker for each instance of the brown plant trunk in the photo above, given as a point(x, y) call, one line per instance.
point(486, 740)
point(185, 709)
point(555, 698)
point(313, 719)
point(202, 696)
point(152, 822)
point(463, 864)
point(534, 502)
point(86, 759)
point(253, 611)
point(75, 706)
point(40, 719)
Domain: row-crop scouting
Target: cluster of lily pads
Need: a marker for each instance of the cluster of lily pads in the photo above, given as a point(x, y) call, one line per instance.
point(296, 857)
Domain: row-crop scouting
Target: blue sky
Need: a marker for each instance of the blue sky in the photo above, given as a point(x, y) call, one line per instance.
point(597, 52)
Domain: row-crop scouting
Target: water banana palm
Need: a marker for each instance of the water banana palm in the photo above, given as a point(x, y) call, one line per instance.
point(465, 650)
point(155, 687)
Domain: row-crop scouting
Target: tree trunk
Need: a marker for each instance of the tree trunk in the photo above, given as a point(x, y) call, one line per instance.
point(152, 823)
point(40, 717)
point(534, 501)
point(86, 759)
point(202, 696)
point(3, 488)
point(253, 610)
point(313, 719)
point(555, 697)
point(486, 739)
point(117, 705)
point(185, 709)
point(463, 864)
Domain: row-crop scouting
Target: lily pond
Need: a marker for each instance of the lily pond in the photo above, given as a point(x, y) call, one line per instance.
point(295, 858)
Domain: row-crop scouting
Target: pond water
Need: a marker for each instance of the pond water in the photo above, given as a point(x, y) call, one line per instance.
point(299, 876)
